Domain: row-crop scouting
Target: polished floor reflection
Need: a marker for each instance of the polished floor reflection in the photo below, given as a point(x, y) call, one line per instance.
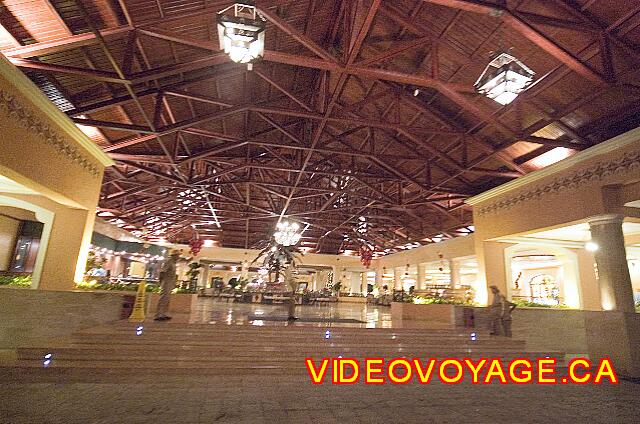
point(214, 311)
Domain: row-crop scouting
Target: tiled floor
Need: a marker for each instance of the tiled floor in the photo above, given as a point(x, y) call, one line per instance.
point(214, 311)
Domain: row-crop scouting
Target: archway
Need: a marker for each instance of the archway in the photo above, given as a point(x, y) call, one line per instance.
point(543, 274)
point(44, 216)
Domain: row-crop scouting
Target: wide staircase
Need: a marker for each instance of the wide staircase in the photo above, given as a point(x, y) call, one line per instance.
point(125, 349)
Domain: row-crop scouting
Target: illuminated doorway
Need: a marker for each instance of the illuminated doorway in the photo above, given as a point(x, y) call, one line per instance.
point(544, 275)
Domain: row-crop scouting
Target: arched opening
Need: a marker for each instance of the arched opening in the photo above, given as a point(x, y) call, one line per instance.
point(30, 239)
point(543, 275)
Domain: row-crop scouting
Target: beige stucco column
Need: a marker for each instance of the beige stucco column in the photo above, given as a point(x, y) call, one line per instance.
point(322, 277)
point(454, 272)
point(420, 278)
point(397, 278)
point(611, 259)
point(204, 276)
point(244, 270)
point(379, 282)
point(67, 250)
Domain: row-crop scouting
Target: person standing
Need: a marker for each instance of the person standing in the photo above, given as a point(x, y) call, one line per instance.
point(496, 310)
point(168, 279)
point(507, 308)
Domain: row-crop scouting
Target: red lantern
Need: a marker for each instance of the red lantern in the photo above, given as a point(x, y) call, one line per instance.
point(366, 255)
point(195, 245)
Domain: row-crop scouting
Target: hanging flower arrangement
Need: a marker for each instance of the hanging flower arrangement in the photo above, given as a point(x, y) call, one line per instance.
point(366, 255)
point(195, 245)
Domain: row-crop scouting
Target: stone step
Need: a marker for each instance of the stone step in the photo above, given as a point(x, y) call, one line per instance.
point(333, 333)
point(25, 371)
point(309, 345)
point(128, 354)
point(240, 329)
point(276, 333)
point(187, 362)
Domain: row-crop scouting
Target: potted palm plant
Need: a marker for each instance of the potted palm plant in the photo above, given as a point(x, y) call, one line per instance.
point(280, 261)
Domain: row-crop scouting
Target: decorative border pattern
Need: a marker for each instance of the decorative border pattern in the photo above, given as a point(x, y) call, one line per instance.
point(32, 123)
point(598, 172)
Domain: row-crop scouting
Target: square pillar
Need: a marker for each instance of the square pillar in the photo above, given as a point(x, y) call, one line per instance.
point(454, 270)
point(421, 284)
point(204, 276)
point(67, 249)
point(379, 282)
point(397, 278)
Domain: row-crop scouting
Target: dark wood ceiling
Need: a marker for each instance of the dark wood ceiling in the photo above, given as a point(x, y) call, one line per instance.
point(326, 129)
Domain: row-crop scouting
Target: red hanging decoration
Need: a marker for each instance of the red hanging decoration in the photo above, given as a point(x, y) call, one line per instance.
point(195, 245)
point(366, 255)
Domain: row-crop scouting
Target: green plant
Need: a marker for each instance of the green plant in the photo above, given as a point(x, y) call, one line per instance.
point(233, 282)
point(425, 300)
point(15, 280)
point(194, 271)
point(520, 303)
point(184, 291)
point(93, 261)
point(276, 257)
point(94, 285)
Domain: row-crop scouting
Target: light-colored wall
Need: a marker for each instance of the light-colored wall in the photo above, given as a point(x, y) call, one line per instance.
point(8, 233)
point(543, 329)
point(33, 317)
point(450, 249)
point(569, 191)
point(60, 162)
point(71, 230)
point(45, 152)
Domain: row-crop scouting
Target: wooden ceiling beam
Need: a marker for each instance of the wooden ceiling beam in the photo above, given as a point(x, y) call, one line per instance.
point(398, 48)
point(67, 43)
point(297, 35)
point(97, 75)
point(335, 95)
point(528, 31)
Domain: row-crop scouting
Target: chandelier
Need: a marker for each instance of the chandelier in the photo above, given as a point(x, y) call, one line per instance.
point(504, 78)
point(287, 234)
point(241, 32)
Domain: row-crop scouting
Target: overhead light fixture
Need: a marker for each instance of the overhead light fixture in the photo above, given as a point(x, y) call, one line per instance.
point(287, 234)
point(504, 78)
point(591, 246)
point(241, 30)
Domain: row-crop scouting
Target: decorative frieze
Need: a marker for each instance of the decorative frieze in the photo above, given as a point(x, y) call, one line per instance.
point(597, 172)
point(44, 132)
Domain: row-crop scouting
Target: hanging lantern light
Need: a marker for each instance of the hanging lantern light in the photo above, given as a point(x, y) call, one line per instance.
point(504, 78)
point(287, 234)
point(241, 32)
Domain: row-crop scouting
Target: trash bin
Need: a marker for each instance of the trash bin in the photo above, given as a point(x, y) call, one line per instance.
point(128, 300)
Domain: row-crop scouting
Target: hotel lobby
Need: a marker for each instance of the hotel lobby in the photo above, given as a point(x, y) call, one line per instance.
point(307, 179)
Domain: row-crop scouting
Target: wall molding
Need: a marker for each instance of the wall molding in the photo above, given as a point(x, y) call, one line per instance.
point(602, 149)
point(598, 172)
point(23, 85)
point(30, 121)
